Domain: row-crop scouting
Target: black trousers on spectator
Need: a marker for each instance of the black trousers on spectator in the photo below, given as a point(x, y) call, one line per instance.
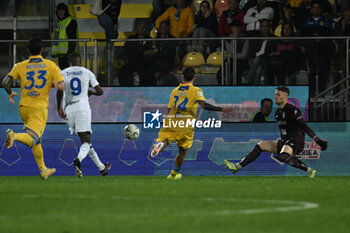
point(125, 74)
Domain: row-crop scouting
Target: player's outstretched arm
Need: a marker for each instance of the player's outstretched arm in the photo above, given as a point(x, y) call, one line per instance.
point(59, 97)
point(205, 105)
point(6, 83)
point(96, 91)
point(322, 143)
point(59, 86)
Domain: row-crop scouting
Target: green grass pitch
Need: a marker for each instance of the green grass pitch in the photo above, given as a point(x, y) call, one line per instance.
point(194, 204)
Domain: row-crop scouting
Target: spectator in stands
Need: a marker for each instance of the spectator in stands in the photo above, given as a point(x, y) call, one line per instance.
point(274, 4)
point(342, 28)
point(205, 25)
point(263, 114)
point(283, 59)
point(164, 59)
point(303, 12)
point(255, 14)
point(319, 52)
point(109, 18)
point(287, 14)
point(228, 16)
point(136, 71)
point(242, 47)
point(67, 28)
point(257, 53)
point(159, 7)
point(181, 19)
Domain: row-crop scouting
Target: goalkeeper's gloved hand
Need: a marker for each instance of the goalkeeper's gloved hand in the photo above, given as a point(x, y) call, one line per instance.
point(322, 143)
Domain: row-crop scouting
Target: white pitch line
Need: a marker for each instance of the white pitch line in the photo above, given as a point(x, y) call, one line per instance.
point(295, 205)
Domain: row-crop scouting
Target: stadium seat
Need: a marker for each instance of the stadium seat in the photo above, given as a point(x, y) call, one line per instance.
point(214, 62)
point(215, 59)
point(153, 33)
point(220, 6)
point(196, 4)
point(193, 59)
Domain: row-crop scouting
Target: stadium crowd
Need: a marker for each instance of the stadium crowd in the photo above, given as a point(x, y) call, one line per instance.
point(258, 61)
point(277, 61)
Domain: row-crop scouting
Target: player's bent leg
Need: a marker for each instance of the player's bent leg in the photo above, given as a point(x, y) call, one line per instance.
point(159, 147)
point(180, 158)
point(287, 156)
point(294, 162)
point(39, 155)
point(85, 137)
point(28, 139)
point(287, 149)
point(83, 152)
point(39, 158)
point(268, 146)
point(263, 146)
point(103, 168)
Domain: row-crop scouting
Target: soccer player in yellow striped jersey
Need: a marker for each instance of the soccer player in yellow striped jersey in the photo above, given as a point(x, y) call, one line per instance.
point(37, 75)
point(183, 105)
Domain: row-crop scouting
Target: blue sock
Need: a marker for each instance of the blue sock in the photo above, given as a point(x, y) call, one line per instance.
point(175, 170)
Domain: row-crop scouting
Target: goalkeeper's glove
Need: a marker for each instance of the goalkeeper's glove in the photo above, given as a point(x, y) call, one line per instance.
point(322, 143)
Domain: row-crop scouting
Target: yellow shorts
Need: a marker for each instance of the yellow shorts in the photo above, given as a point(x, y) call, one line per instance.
point(183, 138)
point(34, 119)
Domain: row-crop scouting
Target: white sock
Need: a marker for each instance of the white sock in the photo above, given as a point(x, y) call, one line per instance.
point(84, 149)
point(94, 157)
point(309, 170)
point(238, 166)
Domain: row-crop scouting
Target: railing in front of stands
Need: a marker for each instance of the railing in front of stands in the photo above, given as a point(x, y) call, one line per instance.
point(93, 51)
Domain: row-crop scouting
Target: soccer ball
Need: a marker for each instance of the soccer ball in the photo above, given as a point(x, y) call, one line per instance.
point(131, 132)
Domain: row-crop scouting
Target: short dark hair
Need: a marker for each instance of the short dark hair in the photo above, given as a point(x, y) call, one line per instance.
point(73, 56)
point(264, 100)
point(316, 2)
point(35, 45)
point(283, 88)
point(188, 74)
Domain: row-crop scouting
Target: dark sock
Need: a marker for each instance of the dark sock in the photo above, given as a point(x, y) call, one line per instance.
point(292, 161)
point(251, 156)
point(283, 157)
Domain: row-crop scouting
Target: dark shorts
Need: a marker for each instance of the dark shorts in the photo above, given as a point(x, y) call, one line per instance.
point(297, 147)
